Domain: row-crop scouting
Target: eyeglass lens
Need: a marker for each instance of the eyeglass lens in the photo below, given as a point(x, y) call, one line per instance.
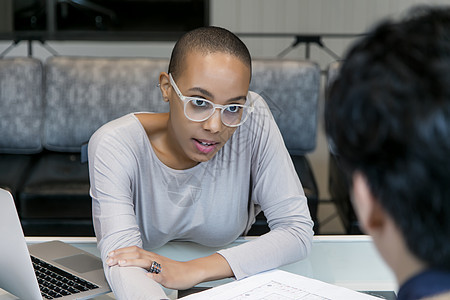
point(200, 110)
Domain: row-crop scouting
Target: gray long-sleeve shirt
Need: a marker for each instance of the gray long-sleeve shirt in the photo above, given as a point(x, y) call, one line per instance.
point(137, 200)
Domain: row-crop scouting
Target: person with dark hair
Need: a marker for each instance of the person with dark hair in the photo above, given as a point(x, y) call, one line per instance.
point(200, 173)
point(388, 122)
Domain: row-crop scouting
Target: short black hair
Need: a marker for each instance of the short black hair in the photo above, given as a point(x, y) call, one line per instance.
point(388, 117)
point(207, 40)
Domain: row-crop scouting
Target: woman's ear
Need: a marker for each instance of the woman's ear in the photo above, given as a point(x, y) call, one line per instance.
point(164, 85)
point(369, 211)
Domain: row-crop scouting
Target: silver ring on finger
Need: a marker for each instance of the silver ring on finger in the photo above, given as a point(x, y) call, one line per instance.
point(155, 268)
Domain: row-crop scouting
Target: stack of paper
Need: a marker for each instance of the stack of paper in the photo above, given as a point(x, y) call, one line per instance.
point(277, 285)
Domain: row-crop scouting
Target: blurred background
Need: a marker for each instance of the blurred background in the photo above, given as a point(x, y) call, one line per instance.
point(317, 30)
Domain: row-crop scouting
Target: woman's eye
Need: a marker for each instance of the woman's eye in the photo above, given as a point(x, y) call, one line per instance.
point(199, 102)
point(233, 108)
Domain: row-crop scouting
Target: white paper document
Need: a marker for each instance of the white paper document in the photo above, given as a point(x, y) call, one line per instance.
point(277, 285)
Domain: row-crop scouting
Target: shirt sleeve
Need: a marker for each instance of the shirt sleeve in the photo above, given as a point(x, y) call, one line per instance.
point(276, 188)
point(110, 171)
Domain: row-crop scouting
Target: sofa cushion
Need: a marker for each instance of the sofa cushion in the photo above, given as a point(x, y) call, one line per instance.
point(20, 105)
point(291, 89)
point(85, 93)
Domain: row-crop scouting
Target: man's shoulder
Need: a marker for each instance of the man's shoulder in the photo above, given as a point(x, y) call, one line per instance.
point(443, 296)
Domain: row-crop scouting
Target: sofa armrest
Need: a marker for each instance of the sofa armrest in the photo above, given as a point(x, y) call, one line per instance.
point(84, 153)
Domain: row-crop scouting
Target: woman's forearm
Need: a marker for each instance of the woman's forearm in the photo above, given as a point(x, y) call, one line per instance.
point(212, 267)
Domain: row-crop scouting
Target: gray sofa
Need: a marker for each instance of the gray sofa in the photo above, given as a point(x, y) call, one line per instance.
point(49, 110)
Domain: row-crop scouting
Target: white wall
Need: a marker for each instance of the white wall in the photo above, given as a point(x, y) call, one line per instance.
point(258, 16)
point(304, 16)
point(264, 16)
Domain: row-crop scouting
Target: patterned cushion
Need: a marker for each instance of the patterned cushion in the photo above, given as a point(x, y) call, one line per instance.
point(85, 93)
point(291, 89)
point(20, 105)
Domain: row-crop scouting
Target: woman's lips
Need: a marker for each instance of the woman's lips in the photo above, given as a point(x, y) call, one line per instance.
point(205, 146)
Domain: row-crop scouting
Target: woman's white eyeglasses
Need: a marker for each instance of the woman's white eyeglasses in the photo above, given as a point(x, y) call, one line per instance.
point(199, 109)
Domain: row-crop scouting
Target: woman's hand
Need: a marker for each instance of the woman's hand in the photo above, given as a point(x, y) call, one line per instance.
point(174, 274)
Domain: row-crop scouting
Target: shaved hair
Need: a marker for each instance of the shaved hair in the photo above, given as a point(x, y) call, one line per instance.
point(207, 40)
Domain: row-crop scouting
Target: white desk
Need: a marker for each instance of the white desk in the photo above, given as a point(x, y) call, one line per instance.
point(347, 261)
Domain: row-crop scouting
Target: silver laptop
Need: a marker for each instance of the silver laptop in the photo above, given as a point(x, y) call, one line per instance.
point(63, 271)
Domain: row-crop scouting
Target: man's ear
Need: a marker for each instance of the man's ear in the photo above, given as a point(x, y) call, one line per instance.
point(164, 85)
point(369, 211)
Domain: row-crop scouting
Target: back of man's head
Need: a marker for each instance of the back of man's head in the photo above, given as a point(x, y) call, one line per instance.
point(388, 117)
point(207, 40)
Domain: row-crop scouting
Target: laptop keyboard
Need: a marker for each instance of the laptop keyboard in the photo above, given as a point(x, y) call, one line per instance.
point(55, 282)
